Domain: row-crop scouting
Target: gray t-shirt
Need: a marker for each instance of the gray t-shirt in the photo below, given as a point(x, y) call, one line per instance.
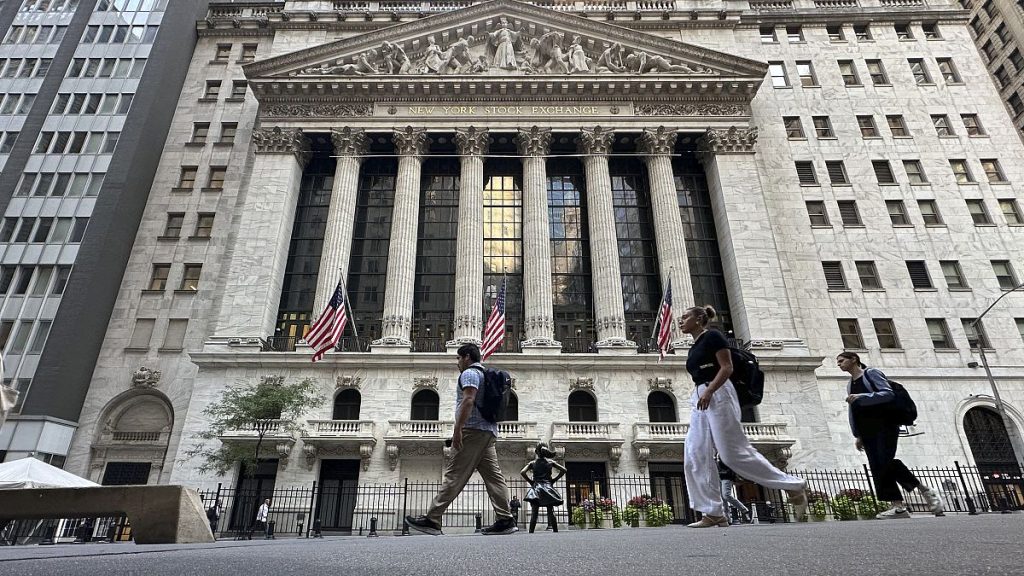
point(473, 378)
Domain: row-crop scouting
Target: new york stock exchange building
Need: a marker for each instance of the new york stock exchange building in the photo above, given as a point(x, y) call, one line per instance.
point(829, 174)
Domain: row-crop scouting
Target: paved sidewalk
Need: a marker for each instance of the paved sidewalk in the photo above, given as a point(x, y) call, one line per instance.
point(954, 545)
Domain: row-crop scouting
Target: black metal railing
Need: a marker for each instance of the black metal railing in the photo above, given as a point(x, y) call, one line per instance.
point(578, 346)
point(430, 344)
point(288, 344)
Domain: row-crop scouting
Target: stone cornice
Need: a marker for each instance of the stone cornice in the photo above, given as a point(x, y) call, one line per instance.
point(855, 16)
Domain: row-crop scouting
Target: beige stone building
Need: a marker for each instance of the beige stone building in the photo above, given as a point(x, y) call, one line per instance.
point(830, 174)
point(997, 27)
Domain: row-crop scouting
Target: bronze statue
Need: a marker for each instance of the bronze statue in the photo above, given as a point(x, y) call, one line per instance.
point(541, 492)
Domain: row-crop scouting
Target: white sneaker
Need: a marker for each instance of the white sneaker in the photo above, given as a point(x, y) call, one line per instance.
point(934, 502)
point(893, 514)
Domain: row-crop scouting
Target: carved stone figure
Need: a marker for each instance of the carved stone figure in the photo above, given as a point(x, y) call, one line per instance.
point(639, 62)
point(145, 378)
point(611, 59)
point(363, 63)
point(480, 66)
point(503, 41)
point(457, 58)
point(432, 57)
point(548, 55)
point(395, 59)
point(337, 68)
point(578, 61)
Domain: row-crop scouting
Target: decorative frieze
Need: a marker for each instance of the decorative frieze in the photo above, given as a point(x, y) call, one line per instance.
point(425, 383)
point(595, 140)
point(472, 141)
point(659, 384)
point(732, 141)
point(699, 109)
point(660, 141)
point(272, 380)
point(581, 384)
point(145, 378)
point(349, 141)
point(310, 110)
point(348, 382)
point(533, 141)
point(277, 141)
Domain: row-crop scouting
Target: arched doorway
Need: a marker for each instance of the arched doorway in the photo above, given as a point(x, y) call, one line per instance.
point(346, 405)
point(425, 404)
point(661, 407)
point(993, 454)
point(131, 444)
point(582, 407)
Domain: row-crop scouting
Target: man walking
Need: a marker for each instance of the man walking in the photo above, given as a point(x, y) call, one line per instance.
point(472, 450)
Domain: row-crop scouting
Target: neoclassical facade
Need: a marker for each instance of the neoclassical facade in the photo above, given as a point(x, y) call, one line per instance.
point(585, 156)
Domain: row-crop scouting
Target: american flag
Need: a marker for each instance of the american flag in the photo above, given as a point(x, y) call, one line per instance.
point(665, 322)
point(324, 334)
point(494, 331)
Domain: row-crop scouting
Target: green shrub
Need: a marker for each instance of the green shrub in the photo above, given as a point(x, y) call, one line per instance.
point(844, 508)
point(818, 509)
point(869, 506)
point(659, 515)
point(631, 516)
point(579, 517)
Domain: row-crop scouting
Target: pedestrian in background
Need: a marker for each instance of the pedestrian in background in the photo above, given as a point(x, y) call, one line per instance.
point(514, 505)
point(261, 518)
point(213, 516)
point(715, 426)
point(877, 436)
point(728, 479)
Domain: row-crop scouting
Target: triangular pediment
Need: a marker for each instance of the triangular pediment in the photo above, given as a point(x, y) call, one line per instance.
point(503, 40)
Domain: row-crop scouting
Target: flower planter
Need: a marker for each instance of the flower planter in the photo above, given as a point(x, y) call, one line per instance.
point(606, 522)
point(815, 518)
point(865, 517)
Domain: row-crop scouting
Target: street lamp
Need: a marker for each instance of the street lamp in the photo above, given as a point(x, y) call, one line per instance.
point(1010, 432)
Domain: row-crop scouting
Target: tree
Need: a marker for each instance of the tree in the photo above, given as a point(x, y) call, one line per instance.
point(268, 405)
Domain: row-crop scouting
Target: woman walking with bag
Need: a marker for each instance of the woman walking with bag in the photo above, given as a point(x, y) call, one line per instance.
point(877, 435)
point(715, 426)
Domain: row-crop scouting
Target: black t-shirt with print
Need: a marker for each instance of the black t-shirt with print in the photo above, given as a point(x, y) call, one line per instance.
point(701, 362)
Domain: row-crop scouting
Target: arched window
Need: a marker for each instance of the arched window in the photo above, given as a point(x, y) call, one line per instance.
point(512, 410)
point(990, 443)
point(582, 407)
point(661, 407)
point(346, 405)
point(424, 405)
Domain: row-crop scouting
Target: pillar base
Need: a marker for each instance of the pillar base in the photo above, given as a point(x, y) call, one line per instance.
point(453, 345)
point(616, 347)
point(538, 346)
point(391, 345)
point(681, 344)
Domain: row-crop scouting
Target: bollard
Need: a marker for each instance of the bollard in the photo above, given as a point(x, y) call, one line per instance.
point(479, 522)
point(972, 510)
point(769, 509)
point(373, 528)
point(316, 529)
point(753, 513)
point(270, 531)
point(405, 528)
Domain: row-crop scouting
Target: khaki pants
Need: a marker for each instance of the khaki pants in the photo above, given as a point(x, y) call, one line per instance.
point(477, 454)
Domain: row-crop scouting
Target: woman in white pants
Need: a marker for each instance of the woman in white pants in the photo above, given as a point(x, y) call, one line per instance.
point(715, 427)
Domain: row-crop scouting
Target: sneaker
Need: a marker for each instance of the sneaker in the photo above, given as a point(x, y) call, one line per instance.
point(423, 525)
point(893, 513)
point(501, 526)
point(934, 502)
point(709, 521)
point(798, 498)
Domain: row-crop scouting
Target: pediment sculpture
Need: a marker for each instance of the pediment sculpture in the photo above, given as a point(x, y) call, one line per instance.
point(504, 51)
point(145, 378)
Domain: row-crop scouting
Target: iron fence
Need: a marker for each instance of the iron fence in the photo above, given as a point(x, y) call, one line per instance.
point(53, 531)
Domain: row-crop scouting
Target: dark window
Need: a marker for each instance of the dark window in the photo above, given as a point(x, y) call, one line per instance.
point(346, 405)
point(834, 277)
point(572, 291)
point(885, 331)
point(661, 407)
point(817, 213)
point(868, 129)
point(939, 332)
point(1004, 274)
point(425, 405)
point(638, 259)
point(930, 212)
point(919, 276)
point(512, 408)
point(794, 128)
point(848, 213)
point(126, 473)
point(975, 332)
point(805, 172)
point(954, 275)
point(883, 172)
point(897, 212)
point(582, 407)
point(503, 244)
point(849, 331)
point(837, 172)
point(868, 273)
point(434, 300)
point(979, 213)
point(823, 127)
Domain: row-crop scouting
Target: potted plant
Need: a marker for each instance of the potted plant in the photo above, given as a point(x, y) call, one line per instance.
point(817, 506)
point(579, 517)
point(631, 515)
point(638, 504)
point(844, 508)
point(659, 514)
point(606, 508)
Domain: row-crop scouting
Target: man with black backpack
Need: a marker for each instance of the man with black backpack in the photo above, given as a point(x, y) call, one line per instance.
point(479, 402)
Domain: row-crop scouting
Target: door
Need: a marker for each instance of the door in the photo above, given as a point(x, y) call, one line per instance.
point(125, 473)
point(336, 500)
point(253, 489)
point(585, 481)
point(668, 484)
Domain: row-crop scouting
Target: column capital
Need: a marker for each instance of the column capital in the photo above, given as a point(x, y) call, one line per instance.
point(411, 141)
point(732, 141)
point(472, 141)
point(534, 141)
point(349, 141)
point(595, 140)
point(658, 142)
point(277, 141)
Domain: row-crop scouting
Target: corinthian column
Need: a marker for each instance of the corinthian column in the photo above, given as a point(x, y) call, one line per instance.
point(604, 246)
point(349, 147)
point(411, 144)
point(659, 145)
point(251, 295)
point(469, 263)
point(540, 325)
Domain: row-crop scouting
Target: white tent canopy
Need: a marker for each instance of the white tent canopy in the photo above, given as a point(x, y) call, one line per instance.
point(33, 473)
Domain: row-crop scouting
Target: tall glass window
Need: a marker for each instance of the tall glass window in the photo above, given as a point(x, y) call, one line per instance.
point(368, 265)
point(303, 267)
point(570, 256)
point(701, 238)
point(638, 264)
point(503, 244)
point(435, 255)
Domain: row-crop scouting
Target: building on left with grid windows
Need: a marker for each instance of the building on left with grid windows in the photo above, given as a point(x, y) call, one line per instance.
point(87, 91)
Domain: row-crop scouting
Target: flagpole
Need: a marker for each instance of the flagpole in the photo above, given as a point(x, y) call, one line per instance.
point(344, 292)
point(664, 291)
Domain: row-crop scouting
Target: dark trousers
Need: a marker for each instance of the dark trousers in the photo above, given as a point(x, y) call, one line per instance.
point(889, 472)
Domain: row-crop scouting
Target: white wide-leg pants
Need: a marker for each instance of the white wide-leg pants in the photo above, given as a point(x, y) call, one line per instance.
point(718, 429)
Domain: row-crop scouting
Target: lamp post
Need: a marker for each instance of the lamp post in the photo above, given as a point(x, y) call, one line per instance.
point(988, 371)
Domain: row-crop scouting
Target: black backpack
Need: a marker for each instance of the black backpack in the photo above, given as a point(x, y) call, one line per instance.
point(492, 397)
point(901, 410)
point(747, 377)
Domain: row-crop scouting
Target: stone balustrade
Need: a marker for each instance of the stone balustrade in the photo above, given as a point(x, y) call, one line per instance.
point(517, 431)
point(577, 431)
point(675, 432)
point(341, 428)
point(420, 429)
point(274, 428)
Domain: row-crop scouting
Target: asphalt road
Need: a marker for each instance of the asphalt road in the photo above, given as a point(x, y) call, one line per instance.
point(954, 545)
